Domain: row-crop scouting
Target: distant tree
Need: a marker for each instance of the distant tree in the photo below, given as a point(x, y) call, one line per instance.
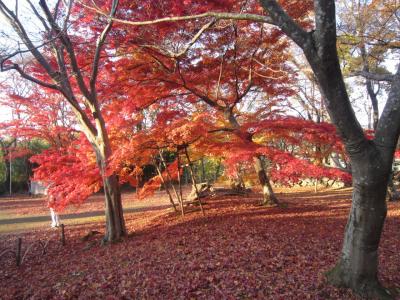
point(367, 35)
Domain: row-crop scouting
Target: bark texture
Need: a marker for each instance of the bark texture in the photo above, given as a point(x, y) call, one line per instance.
point(269, 197)
point(358, 266)
point(115, 223)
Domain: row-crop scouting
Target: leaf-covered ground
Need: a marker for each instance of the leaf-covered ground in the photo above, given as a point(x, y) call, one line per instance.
point(237, 251)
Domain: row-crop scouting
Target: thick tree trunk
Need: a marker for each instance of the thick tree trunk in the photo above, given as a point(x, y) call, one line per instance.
point(371, 160)
point(269, 197)
point(358, 265)
point(115, 223)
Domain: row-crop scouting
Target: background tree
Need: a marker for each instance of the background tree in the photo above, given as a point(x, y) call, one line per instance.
point(367, 36)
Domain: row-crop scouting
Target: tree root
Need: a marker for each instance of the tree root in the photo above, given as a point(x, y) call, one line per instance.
point(368, 288)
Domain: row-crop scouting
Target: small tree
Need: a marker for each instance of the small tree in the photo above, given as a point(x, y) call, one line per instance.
point(56, 66)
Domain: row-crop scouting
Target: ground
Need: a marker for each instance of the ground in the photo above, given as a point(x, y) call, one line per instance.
point(238, 250)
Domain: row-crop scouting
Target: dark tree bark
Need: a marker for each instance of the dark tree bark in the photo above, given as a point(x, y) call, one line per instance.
point(371, 160)
point(115, 223)
point(358, 266)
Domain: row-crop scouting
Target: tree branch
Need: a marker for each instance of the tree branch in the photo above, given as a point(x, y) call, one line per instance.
point(215, 15)
point(281, 19)
point(69, 48)
point(20, 30)
point(31, 78)
point(99, 45)
point(374, 76)
point(388, 130)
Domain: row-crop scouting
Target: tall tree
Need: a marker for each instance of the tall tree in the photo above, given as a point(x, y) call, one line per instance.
point(371, 160)
point(59, 62)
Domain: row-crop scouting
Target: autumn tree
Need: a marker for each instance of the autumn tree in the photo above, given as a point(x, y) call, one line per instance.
point(60, 62)
point(371, 160)
point(223, 65)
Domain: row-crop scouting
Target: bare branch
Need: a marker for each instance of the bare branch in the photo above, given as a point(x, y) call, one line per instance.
point(281, 19)
point(374, 76)
point(215, 15)
point(69, 48)
point(41, 19)
point(194, 39)
point(20, 30)
point(30, 78)
point(99, 45)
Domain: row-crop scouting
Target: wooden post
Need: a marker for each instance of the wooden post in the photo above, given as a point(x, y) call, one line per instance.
point(62, 235)
point(18, 253)
point(194, 180)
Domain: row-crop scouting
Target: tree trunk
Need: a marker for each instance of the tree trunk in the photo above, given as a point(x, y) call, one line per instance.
point(203, 170)
point(217, 171)
point(269, 197)
point(115, 223)
point(171, 200)
point(393, 193)
point(358, 265)
point(8, 176)
point(194, 180)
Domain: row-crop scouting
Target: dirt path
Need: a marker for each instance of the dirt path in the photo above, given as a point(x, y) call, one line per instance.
point(21, 213)
point(88, 214)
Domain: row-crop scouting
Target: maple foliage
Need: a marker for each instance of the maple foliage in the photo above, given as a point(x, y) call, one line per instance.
point(231, 65)
point(58, 168)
